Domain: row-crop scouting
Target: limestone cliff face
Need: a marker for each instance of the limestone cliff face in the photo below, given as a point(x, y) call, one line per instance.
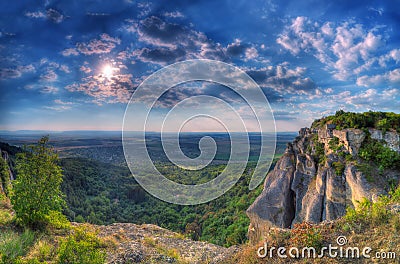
point(304, 187)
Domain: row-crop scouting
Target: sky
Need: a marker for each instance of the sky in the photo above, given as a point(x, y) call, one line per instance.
point(74, 64)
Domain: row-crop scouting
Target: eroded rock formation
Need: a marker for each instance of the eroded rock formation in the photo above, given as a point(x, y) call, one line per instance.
point(305, 187)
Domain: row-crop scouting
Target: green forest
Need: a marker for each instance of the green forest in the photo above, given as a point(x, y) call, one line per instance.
point(384, 121)
point(101, 193)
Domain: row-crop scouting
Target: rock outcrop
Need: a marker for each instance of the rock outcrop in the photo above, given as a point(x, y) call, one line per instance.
point(152, 244)
point(391, 138)
point(306, 188)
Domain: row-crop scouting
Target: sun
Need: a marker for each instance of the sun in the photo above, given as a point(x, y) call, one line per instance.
point(108, 71)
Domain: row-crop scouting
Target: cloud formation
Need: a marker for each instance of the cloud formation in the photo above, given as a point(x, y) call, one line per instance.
point(51, 14)
point(10, 73)
point(116, 89)
point(346, 48)
point(168, 42)
point(102, 45)
point(284, 80)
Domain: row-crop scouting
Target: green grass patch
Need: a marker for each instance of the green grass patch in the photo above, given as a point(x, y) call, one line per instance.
point(14, 245)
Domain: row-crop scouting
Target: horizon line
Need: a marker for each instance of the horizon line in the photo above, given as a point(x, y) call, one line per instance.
point(133, 131)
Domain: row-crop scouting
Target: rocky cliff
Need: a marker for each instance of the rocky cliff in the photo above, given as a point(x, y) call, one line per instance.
point(318, 177)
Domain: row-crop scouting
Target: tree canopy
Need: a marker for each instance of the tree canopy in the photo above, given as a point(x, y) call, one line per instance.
point(36, 193)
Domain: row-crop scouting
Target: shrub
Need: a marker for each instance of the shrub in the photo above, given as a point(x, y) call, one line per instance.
point(306, 235)
point(339, 167)
point(334, 144)
point(57, 220)
point(373, 150)
point(36, 191)
point(81, 247)
point(4, 176)
point(368, 213)
point(320, 153)
point(5, 217)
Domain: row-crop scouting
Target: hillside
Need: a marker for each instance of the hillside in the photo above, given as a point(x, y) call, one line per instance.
point(333, 180)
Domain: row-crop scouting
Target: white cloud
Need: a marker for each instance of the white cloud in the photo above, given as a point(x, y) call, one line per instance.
point(61, 102)
point(116, 89)
point(70, 52)
point(374, 99)
point(251, 53)
point(37, 14)
point(49, 90)
point(9, 73)
point(389, 78)
point(345, 48)
point(49, 76)
point(85, 69)
point(104, 44)
point(175, 14)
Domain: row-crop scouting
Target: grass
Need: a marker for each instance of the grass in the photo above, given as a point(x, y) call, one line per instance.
point(371, 224)
point(14, 245)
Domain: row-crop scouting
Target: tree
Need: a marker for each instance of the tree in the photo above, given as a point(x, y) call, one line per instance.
point(4, 176)
point(36, 192)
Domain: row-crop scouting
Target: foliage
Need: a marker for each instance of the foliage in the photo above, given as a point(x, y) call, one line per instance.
point(56, 219)
point(4, 176)
point(81, 247)
point(338, 167)
point(375, 151)
point(369, 213)
point(379, 120)
point(14, 245)
point(36, 191)
point(366, 169)
point(306, 235)
point(102, 194)
point(334, 144)
point(5, 217)
point(320, 153)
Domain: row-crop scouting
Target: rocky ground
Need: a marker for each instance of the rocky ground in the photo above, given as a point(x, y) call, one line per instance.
point(152, 244)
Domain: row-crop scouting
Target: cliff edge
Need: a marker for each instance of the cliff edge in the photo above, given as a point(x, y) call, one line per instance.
point(322, 172)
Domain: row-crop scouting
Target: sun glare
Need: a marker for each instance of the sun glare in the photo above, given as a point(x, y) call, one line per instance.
point(108, 71)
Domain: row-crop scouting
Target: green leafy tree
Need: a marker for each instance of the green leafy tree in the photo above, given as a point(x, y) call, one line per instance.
point(4, 176)
point(36, 192)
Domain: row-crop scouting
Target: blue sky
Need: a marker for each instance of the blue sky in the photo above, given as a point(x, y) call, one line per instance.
point(72, 65)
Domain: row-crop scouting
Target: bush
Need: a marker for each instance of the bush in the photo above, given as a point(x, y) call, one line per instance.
point(320, 153)
point(36, 191)
point(339, 167)
point(368, 213)
point(373, 150)
point(81, 247)
point(334, 144)
point(4, 176)
point(306, 235)
point(57, 220)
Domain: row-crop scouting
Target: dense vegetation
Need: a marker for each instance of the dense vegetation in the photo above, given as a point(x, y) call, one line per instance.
point(36, 193)
point(27, 225)
point(374, 151)
point(380, 120)
point(101, 193)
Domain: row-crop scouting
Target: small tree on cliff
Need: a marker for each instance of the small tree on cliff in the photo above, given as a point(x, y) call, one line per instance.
point(36, 192)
